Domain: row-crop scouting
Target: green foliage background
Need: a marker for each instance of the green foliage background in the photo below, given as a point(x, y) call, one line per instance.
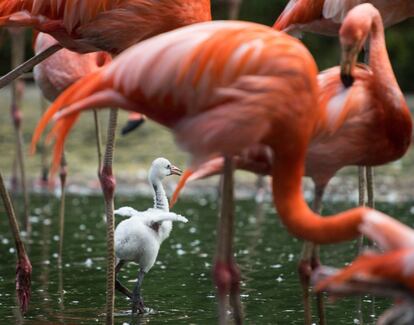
point(400, 39)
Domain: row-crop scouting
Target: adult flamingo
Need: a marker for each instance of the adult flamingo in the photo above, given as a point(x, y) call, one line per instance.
point(226, 75)
point(53, 76)
point(388, 273)
point(108, 25)
point(325, 16)
point(171, 82)
point(101, 25)
point(350, 124)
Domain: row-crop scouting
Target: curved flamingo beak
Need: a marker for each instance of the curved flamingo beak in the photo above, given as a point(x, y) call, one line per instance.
point(349, 57)
point(175, 170)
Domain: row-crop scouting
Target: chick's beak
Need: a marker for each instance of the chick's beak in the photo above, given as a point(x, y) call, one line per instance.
point(176, 171)
point(348, 61)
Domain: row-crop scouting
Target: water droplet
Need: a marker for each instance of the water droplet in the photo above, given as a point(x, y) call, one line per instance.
point(88, 262)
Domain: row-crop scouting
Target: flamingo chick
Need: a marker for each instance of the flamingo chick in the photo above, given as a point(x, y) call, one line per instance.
point(138, 238)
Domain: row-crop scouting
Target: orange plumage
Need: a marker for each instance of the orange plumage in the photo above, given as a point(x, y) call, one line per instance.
point(231, 86)
point(325, 16)
point(108, 25)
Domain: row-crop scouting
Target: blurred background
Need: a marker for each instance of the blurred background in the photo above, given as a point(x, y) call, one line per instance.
point(179, 286)
point(136, 151)
point(400, 39)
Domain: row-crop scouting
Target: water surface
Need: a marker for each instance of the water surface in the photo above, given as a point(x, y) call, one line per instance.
point(178, 289)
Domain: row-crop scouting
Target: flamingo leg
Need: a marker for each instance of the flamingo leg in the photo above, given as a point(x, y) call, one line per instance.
point(98, 140)
point(308, 262)
point(118, 285)
point(234, 9)
point(62, 176)
point(226, 272)
point(28, 65)
point(44, 172)
point(108, 184)
point(18, 45)
point(137, 301)
point(23, 267)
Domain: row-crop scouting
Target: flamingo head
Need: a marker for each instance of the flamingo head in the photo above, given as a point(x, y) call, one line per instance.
point(162, 168)
point(23, 282)
point(353, 34)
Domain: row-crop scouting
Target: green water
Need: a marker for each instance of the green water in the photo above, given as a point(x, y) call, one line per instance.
point(178, 289)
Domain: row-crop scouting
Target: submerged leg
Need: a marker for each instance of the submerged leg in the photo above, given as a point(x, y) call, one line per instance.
point(226, 272)
point(62, 175)
point(137, 301)
point(23, 267)
point(118, 285)
point(309, 261)
point(305, 270)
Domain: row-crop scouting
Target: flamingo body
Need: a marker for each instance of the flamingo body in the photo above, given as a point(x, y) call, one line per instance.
point(190, 76)
point(108, 25)
point(356, 127)
point(62, 69)
point(325, 16)
point(138, 238)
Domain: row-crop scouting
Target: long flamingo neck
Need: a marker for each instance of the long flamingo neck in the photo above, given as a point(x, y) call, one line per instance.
point(299, 219)
point(381, 65)
point(160, 198)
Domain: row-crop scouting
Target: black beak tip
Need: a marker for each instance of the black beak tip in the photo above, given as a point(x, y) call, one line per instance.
point(347, 80)
point(131, 126)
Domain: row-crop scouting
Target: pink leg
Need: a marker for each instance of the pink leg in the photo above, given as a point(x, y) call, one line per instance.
point(18, 45)
point(23, 267)
point(62, 174)
point(226, 272)
point(308, 262)
point(108, 187)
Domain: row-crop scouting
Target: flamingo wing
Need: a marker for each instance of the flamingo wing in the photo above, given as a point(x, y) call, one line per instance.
point(336, 10)
point(216, 80)
point(298, 12)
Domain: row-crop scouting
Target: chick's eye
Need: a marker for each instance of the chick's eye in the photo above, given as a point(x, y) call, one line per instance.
point(169, 166)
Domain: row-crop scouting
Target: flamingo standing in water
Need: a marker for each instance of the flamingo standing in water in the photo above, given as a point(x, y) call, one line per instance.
point(325, 17)
point(108, 25)
point(351, 122)
point(214, 89)
point(389, 273)
point(23, 267)
point(139, 238)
